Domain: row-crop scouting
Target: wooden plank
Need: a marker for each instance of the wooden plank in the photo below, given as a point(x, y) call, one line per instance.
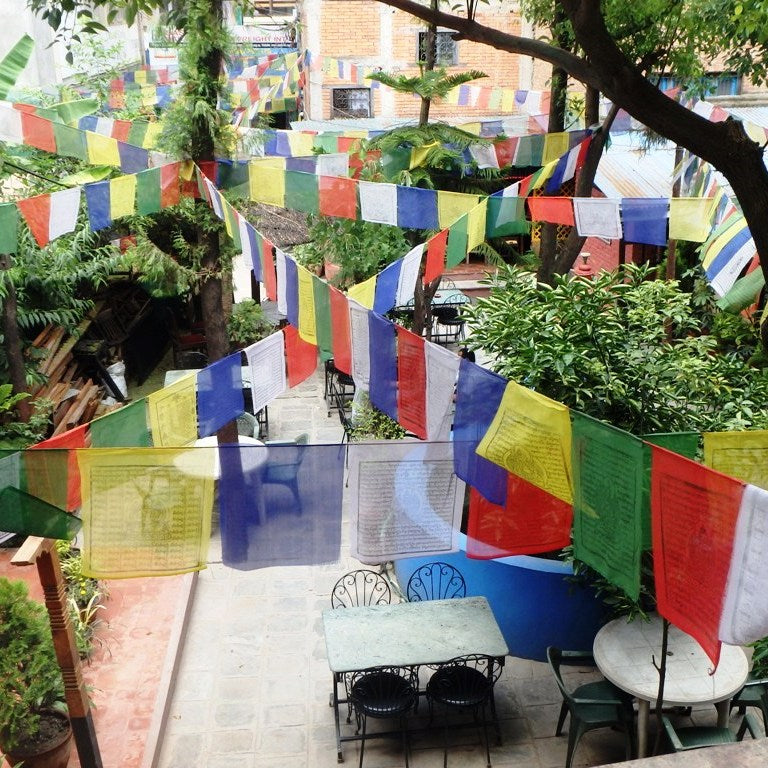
point(30, 549)
point(75, 337)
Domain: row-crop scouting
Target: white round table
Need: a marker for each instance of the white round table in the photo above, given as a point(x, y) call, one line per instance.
point(625, 651)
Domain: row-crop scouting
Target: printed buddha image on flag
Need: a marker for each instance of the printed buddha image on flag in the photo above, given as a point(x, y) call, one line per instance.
point(146, 511)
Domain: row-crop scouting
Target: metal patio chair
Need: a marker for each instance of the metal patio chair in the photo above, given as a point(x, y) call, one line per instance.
point(361, 587)
point(435, 581)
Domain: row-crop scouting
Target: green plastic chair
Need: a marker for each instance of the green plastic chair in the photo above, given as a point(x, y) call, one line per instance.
point(592, 705)
point(286, 470)
point(753, 694)
point(698, 736)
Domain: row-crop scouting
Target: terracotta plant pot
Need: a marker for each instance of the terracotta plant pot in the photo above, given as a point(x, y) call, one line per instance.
point(53, 753)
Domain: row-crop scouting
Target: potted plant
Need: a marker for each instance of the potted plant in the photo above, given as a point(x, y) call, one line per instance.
point(34, 726)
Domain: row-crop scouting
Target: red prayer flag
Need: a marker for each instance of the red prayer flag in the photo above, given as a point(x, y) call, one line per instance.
point(342, 348)
point(338, 197)
point(583, 149)
point(121, 129)
point(37, 213)
point(170, 191)
point(300, 356)
point(435, 261)
point(484, 98)
point(268, 271)
point(79, 437)
point(555, 210)
point(38, 132)
point(411, 382)
point(693, 512)
point(531, 521)
point(505, 151)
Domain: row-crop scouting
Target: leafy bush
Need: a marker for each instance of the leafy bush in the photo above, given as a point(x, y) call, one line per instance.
point(371, 424)
point(247, 324)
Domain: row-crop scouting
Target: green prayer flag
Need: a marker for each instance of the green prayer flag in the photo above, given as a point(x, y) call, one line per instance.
point(608, 481)
point(9, 227)
point(323, 328)
point(148, 194)
point(28, 515)
point(328, 142)
point(684, 443)
point(506, 216)
point(137, 133)
point(743, 292)
point(45, 475)
point(233, 176)
point(457, 242)
point(394, 161)
point(301, 192)
point(233, 228)
point(70, 141)
point(124, 428)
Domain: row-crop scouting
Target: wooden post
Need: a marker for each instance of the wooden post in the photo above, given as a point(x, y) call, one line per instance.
point(43, 554)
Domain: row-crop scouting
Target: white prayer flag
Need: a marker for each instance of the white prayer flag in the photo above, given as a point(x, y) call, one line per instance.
point(359, 341)
point(484, 155)
point(10, 124)
point(597, 217)
point(282, 301)
point(266, 360)
point(378, 202)
point(245, 241)
point(409, 274)
point(336, 164)
point(65, 205)
point(442, 372)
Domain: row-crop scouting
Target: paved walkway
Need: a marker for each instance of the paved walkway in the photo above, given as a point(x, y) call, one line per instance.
point(253, 683)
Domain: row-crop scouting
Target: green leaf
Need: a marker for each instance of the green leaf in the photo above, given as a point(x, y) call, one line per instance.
point(13, 64)
point(72, 111)
point(96, 173)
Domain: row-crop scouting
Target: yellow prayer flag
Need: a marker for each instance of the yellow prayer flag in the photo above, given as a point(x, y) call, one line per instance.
point(507, 100)
point(172, 413)
point(149, 95)
point(122, 196)
point(187, 170)
point(754, 131)
point(267, 181)
point(555, 144)
point(145, 512)
point(743, 455)
point(153, 132)
point(530, 436)
point(452, 97)
point(140, 77)
point(690, 218)
point(474, 128)
point(542, 175)
point(306, 306)
point(451, 206)
point(419, 154)
point(364, 293)
point(300, 143)
point(476, 225)
point(102, 150)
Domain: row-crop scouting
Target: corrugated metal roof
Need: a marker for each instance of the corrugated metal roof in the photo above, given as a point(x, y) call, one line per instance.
point(757, 115)
point(630, 171)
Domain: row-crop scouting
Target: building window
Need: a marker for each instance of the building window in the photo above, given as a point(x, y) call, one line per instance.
point(446, 49)
point(351, 102)
point(714, 83)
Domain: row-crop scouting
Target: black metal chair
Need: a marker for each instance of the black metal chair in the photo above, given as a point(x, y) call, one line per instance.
point(447, 323)
point(285, 470)
point(466, 683)
point(339, 387)
point(435, 581)
point(361, 587)
point(383, 693)
point(592, 705)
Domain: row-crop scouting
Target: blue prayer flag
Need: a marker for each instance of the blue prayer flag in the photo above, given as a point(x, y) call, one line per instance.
point(292, 292)
point(382, 343)
point(386, 287)
point(417, 208)
point(219, 394)
point(645, 219)
point(97, 199)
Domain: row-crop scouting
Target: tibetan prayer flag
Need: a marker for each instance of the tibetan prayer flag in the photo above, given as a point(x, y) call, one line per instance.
point(361, 358)
point(417, 208)
point(506, 216)
point(338, 197)
point(266, 361)
point(281, 275)
point(484, 155)
point(383, 361)
point(38, 132)
point(267, 181)
point(292, 291)
point(232, 224)
point(122, 196)
point(172, 413)
point(409, 274)
point(268, 273)
point(49, 216)
point(435, 261)
point(451, 206)
point(505, 151)
point(411, 382)
point(476, 225)
point(70, 142)
point(530, 436)
point(301, 192)
point(555, 145)
point(219, 394)
point(531, 521)
point(146, 512)
point(323, 325)
point(597, 217)
point(300, 356)
point(342, 349)
point(306, 295)
point(385, 296)
point(684, 443)
point(10, 124)
point(30, 516)
point(102, 150)
point(99, 208)
point(694, 512)
point(645, 220)
point(442, 373)
point(608, 481)
point(124, 428)
point(378, 202)
point(554, 210)
point(690, 218)
point(132, 159)
point(456, 251)
point(479, 393)
point(9, 227)
point(742, 454)
point(364, 293)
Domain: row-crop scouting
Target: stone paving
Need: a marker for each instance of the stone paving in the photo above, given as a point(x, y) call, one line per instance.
point(253, 683)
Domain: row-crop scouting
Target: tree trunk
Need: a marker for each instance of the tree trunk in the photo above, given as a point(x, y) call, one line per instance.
point(13, 349)
point(422, 306)
point(591, 106)
point(430, 43)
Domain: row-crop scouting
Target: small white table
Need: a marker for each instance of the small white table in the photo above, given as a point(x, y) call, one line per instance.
point(407, 635)
point(624, 653)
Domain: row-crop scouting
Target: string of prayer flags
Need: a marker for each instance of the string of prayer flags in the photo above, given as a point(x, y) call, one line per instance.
point(268, 273)
point(306, 300)
point(266, 361)
point(435, 261)
point(417, 208)
point(690, 218)
point(30, 516)
point(405, 500)
point(411, 382)
point(300, 357)
point(219, 394)
point(145, 512)
point(340, 325)
point(597, 217)
point(608, 482)
point(409, 274)
point(364, 293)
point(385, 295)
point(555, 210)
point(125, 427)
point(531, 521)
point(172, 413)
point(742, 454)
point(280, 505)
point(645, 220)
point(338, 197)
point(378, 202)
point(292, 292)
point(382, 342)
point(442, 372)
point(694, 512)
point(323, 323)
point(479, 394)
point(51, 215)
point(360, 345)
point(530, 436)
